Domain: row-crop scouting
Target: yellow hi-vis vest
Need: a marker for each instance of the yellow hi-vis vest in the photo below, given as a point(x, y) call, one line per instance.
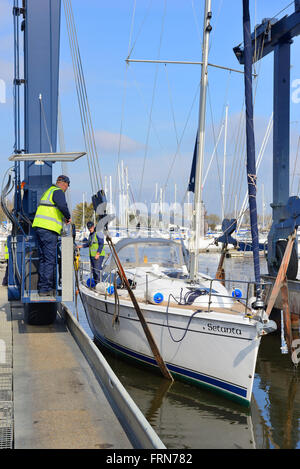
point(93, 248)
point(47, 215)
point(6, 253)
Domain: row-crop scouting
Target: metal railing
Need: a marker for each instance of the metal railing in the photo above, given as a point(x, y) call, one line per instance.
point(86, 275)
point(30, 267)
point(241, 291)
point(237, 293)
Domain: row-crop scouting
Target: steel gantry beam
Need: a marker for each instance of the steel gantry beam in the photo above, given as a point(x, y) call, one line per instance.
point(277, 36)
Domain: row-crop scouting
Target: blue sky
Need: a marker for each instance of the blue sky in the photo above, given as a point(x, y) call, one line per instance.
point(170, 30)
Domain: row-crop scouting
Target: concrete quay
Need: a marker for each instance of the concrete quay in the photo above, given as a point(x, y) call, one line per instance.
point(58, 392)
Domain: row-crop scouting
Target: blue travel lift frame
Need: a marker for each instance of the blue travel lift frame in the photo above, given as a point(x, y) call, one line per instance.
point(277, 36)
point(39, 21)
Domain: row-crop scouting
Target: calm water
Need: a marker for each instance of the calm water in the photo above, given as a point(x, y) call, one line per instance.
point(188, 417)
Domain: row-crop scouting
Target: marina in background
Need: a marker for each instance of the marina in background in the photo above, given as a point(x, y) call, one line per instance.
point(218, 308)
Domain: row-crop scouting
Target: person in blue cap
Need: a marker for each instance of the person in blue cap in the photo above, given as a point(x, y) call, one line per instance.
point(95, 244)
point(51, 213)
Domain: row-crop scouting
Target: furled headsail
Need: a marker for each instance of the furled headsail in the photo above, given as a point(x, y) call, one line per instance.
point(191, 186)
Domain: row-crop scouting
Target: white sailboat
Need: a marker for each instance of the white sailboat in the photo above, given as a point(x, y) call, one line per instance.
point(204, 332)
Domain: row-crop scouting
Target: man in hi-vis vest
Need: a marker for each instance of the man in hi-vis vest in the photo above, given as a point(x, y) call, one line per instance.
point(95, 244)
point(48, 223)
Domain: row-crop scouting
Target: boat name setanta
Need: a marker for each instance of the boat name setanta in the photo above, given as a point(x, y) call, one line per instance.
point(226, 330)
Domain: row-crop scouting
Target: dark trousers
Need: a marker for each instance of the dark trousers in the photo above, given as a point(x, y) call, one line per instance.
point(47, 246)
point(5, 278)
point(96, 265)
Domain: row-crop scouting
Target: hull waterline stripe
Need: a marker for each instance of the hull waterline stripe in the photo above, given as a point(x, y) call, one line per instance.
point(237, 390)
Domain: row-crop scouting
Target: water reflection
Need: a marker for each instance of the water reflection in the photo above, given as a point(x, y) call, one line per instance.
point(277, 391)
point(184, 416)
point(187, 417)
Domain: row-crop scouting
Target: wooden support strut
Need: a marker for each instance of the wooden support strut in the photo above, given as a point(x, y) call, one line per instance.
point(220, 275)
point(286, 314)
point(159, 360)
point(281, 286)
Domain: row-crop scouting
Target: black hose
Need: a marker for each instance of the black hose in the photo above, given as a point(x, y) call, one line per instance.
point(189, 322)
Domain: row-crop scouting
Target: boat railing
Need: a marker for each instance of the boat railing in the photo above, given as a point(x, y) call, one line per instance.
point(30, 267)
point(87, 272)
point(242, 291)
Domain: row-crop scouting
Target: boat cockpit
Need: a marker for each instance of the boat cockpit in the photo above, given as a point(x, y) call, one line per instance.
point(148, 253)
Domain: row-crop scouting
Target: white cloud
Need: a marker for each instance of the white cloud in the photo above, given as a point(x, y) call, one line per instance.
point(109, 142)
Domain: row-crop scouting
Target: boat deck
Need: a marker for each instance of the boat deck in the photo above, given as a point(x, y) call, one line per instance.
point(237, 307)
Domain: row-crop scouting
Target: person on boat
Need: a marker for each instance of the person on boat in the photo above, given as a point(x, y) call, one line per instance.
point(95, 243)
point(48, 223)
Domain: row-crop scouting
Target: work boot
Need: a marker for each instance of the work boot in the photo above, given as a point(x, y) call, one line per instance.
point(46, 293)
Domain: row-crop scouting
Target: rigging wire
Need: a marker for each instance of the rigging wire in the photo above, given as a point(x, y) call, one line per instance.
point(124, 98)
point(258, 162)
point(275, 17)
point(61, 137)
point(237, 171)
point(182, 135)
point(197, 24)
point(242, 143)
point(45, 122)
point(295, 165)
point(237, 162)
point(153, 99)
point(211, 114)
point(281, 11)
point(79, 96)
point(87, 107)
point(130, 49)
point(89, 119)
point(212, 156)
point(171, 104)
point(85, 112)
point(147, 112)
point(222, 120)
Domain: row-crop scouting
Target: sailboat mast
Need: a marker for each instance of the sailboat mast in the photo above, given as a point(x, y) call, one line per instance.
point(83, 211)
point(224, 163)
point(198, 227)
point(251, 163)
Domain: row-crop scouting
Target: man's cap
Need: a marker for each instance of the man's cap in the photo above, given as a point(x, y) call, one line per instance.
point(63, 178)
point(90, 224)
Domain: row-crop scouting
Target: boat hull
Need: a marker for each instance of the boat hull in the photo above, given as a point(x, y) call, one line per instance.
point(216, 354)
